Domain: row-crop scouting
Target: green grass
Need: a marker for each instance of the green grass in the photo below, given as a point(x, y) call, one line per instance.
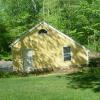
point(55, 87)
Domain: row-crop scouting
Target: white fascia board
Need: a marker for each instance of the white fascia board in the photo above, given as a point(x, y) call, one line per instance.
point(30, 30)
point(62, 34)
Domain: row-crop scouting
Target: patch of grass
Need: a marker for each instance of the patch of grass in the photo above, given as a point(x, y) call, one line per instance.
point(90, 80)
point(55, 87)
point(13, 74)
point(5, 74)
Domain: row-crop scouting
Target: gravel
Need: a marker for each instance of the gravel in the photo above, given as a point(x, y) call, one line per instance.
point(6, 66)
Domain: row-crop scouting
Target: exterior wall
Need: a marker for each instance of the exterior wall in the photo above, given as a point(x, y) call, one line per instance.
point(17, 57)
point(48, 49)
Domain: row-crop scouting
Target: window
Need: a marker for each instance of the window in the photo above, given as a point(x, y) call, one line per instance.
point(67, 53)
point(42, 31)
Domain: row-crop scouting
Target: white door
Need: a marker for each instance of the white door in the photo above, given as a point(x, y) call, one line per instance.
point(28, 60)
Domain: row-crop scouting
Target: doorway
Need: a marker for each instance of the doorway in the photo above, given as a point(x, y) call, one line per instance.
point(28, 60)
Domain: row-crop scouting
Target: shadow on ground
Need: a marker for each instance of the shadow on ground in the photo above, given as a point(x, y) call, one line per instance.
point(84, 81)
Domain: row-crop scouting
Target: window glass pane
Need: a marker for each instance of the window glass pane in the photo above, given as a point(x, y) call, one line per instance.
point(67, 57)
point(66, 49)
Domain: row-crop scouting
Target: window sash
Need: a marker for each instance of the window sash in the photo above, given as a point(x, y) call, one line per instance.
point(67, 53)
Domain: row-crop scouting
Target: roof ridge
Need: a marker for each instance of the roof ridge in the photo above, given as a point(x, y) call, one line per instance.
point(45, 23)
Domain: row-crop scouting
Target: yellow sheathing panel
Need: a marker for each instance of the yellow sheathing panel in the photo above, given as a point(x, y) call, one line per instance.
point(48, 49)
point(17, 56)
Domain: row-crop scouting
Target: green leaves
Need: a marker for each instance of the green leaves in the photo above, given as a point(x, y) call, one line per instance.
point(77, 18)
